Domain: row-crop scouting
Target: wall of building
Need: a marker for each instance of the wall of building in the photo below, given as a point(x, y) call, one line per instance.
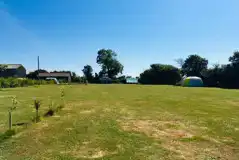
point(18, 73)
point(21, 72)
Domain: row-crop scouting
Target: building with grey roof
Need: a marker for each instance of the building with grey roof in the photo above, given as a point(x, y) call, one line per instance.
point(12, 70)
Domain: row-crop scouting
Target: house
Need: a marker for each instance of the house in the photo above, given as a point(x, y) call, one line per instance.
point(61, 76)
point(13, 70)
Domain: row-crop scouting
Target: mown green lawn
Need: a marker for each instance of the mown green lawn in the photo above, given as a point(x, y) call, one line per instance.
point(123, 122)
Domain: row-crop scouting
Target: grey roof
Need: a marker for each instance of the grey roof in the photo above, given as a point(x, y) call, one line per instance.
point(12, 66)
point(57, 74)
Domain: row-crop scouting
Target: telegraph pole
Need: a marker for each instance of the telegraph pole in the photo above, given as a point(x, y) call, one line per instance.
point(38, 66)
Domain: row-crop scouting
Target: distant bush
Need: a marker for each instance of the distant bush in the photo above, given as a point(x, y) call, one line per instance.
point(160, 74)
point(21, 82)
point(117, 81)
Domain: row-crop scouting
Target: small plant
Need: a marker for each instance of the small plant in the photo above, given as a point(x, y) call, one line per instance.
point(6, 135)
point(12, 108)
point(37, 104)
point(51, 110)
point(62, 94)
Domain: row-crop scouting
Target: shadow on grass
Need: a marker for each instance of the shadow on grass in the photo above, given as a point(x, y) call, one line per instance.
point(21, 124)
point(6, 135)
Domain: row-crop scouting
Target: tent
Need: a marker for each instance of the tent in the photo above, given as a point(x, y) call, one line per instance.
point(192, 82)
point(132, 81)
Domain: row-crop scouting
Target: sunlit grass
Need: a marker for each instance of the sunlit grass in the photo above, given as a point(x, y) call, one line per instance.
point(123, 122)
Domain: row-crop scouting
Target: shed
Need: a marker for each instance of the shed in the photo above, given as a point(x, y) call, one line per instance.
point(13, 70)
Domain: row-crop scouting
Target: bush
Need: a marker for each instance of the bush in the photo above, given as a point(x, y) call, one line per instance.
point(160, 74)
point(6, 135)
point(116, 81)
point(49, 113)
point(18, 82)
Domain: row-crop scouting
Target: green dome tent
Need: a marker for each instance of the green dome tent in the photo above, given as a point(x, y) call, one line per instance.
point(192, 82)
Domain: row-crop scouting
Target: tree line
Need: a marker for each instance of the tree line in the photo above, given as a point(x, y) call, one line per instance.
point(110, 67)
point(224, 76)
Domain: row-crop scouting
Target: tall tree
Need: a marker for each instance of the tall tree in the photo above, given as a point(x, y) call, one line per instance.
point(106, 58)
point(194, 65)
point(88, 72)
point(235, 58)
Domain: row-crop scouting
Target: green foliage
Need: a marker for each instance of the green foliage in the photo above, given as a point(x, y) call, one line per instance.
point(51, 110)
point(211, 77)
point(62, 96)
point(235, 58)
point(62, 91)
point(37, 104)
point(193, 139)
point(2, 67)
point(109, 64)
point(98, 119)
point(160, 74)
point(88, 72)
point(14, 103)
point(116, 81)
point(6, 135)
point(17, 82)
point(34, 75)
point(194, 65)
point(224, 76)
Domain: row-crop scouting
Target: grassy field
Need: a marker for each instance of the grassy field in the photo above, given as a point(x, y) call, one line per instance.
point(122, 122)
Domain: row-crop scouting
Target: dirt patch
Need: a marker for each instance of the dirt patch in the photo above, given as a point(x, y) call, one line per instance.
point(42, 125)
point(180, 139)
point(157, 129)
point(67, 108)
point(87, 152)
point(234, 103)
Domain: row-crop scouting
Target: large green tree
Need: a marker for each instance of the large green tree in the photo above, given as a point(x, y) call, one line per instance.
point(87, 71)
point(107, 59)
point(194, 65)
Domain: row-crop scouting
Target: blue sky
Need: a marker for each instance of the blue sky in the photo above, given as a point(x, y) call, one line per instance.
point(67, 34)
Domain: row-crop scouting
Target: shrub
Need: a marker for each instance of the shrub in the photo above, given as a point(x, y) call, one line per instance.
point(62, 95)
point(6, 135)
point(50, 111)
point(160, 74)
point(37, 104)
point(17, 82)
point(117, 81)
